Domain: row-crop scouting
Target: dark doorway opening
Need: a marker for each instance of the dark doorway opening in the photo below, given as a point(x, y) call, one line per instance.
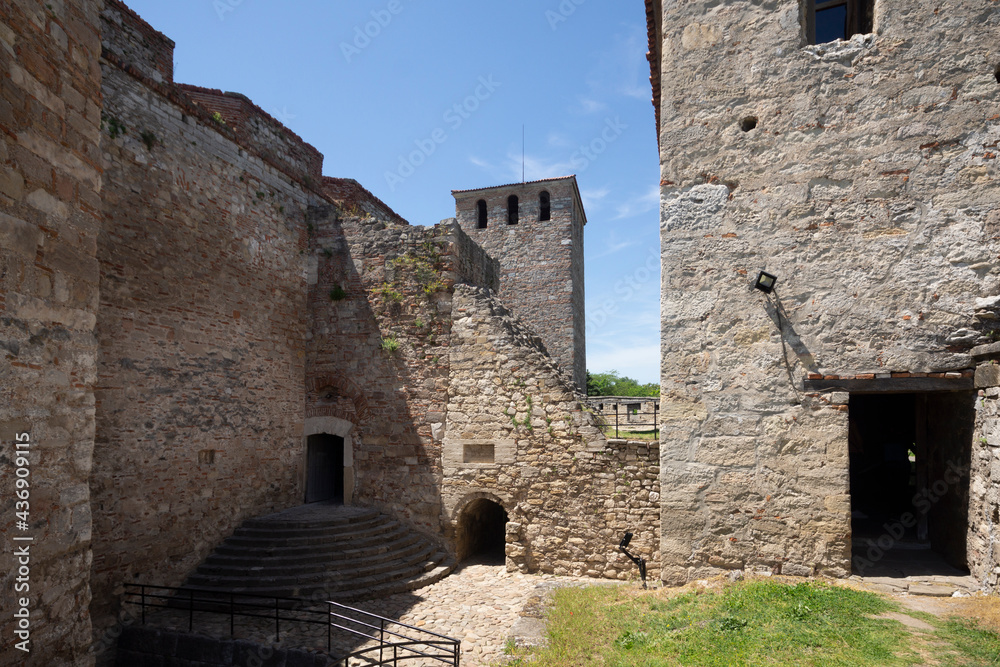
point(909, 477)
point(325, 468)
point(483, 532)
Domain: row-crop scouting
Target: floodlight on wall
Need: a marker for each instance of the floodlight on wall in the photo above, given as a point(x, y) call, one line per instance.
point(765, 282)
point(638, 560)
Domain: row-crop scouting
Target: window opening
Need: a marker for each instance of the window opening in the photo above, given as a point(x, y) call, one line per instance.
point(512, 210)
point(827, 20)
point(544, 209)
point(481, 214)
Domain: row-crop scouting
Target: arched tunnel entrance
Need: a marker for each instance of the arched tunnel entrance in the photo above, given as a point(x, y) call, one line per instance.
point(482, 531)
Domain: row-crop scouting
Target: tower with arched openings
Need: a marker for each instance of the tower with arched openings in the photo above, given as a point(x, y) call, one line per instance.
point(535, 231)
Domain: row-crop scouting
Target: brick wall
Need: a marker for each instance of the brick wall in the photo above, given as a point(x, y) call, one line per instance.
point(137, 44)
point(50, 214)
point(202, 333)
point(541, 261)
point(255, 130)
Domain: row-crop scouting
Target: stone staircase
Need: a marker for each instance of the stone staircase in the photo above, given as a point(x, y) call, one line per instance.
point(323, 552)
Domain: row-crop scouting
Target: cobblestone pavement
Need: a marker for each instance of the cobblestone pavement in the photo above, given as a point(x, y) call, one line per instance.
point(478, 604)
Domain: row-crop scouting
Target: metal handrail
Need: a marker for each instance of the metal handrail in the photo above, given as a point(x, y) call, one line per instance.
point(202, 600)
point(605, 415)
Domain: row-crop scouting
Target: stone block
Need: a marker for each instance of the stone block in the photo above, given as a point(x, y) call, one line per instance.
point(987, 375)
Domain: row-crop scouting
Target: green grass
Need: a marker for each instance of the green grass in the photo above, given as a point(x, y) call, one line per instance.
point(975, 646)
point(609, 432)
point(749, 623)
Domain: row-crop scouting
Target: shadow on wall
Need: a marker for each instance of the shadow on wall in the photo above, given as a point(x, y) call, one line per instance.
point(380, 310)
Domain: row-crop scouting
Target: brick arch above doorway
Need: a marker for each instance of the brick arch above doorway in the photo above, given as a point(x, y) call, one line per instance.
point(339, 387)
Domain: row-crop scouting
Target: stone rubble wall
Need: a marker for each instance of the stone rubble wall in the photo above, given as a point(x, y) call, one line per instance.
point(518, 434)
point(50, 215)
point(381, 299)
point(354, 199)
point(984, 491)
point(864, 175)
point(202, 331)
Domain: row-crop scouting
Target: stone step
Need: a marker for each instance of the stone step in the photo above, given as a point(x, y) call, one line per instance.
point(366, 588)
point(295, 548)
point(277, 526)
point(305, 538)
point(339, 553)
point(341, 577)
point(311, 518)
point(307, 559)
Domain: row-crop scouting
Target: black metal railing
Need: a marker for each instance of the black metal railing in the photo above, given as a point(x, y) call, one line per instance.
point(621, 420)
point(394, 642)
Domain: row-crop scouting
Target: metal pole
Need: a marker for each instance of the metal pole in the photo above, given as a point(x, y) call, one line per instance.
point(329, 626)
point(191, 610)
point(381, 641)
point(232, 624)
point(616, 420)
point(142, 593)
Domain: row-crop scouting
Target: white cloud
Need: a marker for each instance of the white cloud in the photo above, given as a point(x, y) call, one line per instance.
point(587, 105)
point(650, 201)
point(611, 248)
point(622, 68)
point(559, 140)
point(593, 197)
point(536, 168)
point(482, 164)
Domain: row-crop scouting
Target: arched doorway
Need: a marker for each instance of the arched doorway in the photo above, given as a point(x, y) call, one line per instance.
point(482, 531)
point(325, 468)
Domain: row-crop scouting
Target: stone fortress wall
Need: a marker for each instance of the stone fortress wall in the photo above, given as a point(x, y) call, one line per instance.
point(863, 174)
point(186, 299)
point(984, 462)
point(517, 433)
point(541, 257)
point(50, 219)
point(202, 324)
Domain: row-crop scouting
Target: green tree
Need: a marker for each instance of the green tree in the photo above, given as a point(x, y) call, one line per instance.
point(613, 384)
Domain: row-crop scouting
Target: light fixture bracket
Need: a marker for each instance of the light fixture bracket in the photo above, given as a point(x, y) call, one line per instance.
point(765, 282)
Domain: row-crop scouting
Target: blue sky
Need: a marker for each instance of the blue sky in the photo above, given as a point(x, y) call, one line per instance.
point(368, 82)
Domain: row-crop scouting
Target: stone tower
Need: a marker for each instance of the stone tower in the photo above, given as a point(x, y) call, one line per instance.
point(535, 231)
point(849, 148)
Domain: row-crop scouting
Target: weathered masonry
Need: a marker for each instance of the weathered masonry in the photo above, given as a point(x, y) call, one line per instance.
point(535, 231)
point(197, 326)
point(862, 172)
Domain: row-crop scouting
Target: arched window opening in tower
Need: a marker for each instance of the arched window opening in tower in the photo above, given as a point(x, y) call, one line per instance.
point(512, 210)
point(481, 214)
point(544, 209)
